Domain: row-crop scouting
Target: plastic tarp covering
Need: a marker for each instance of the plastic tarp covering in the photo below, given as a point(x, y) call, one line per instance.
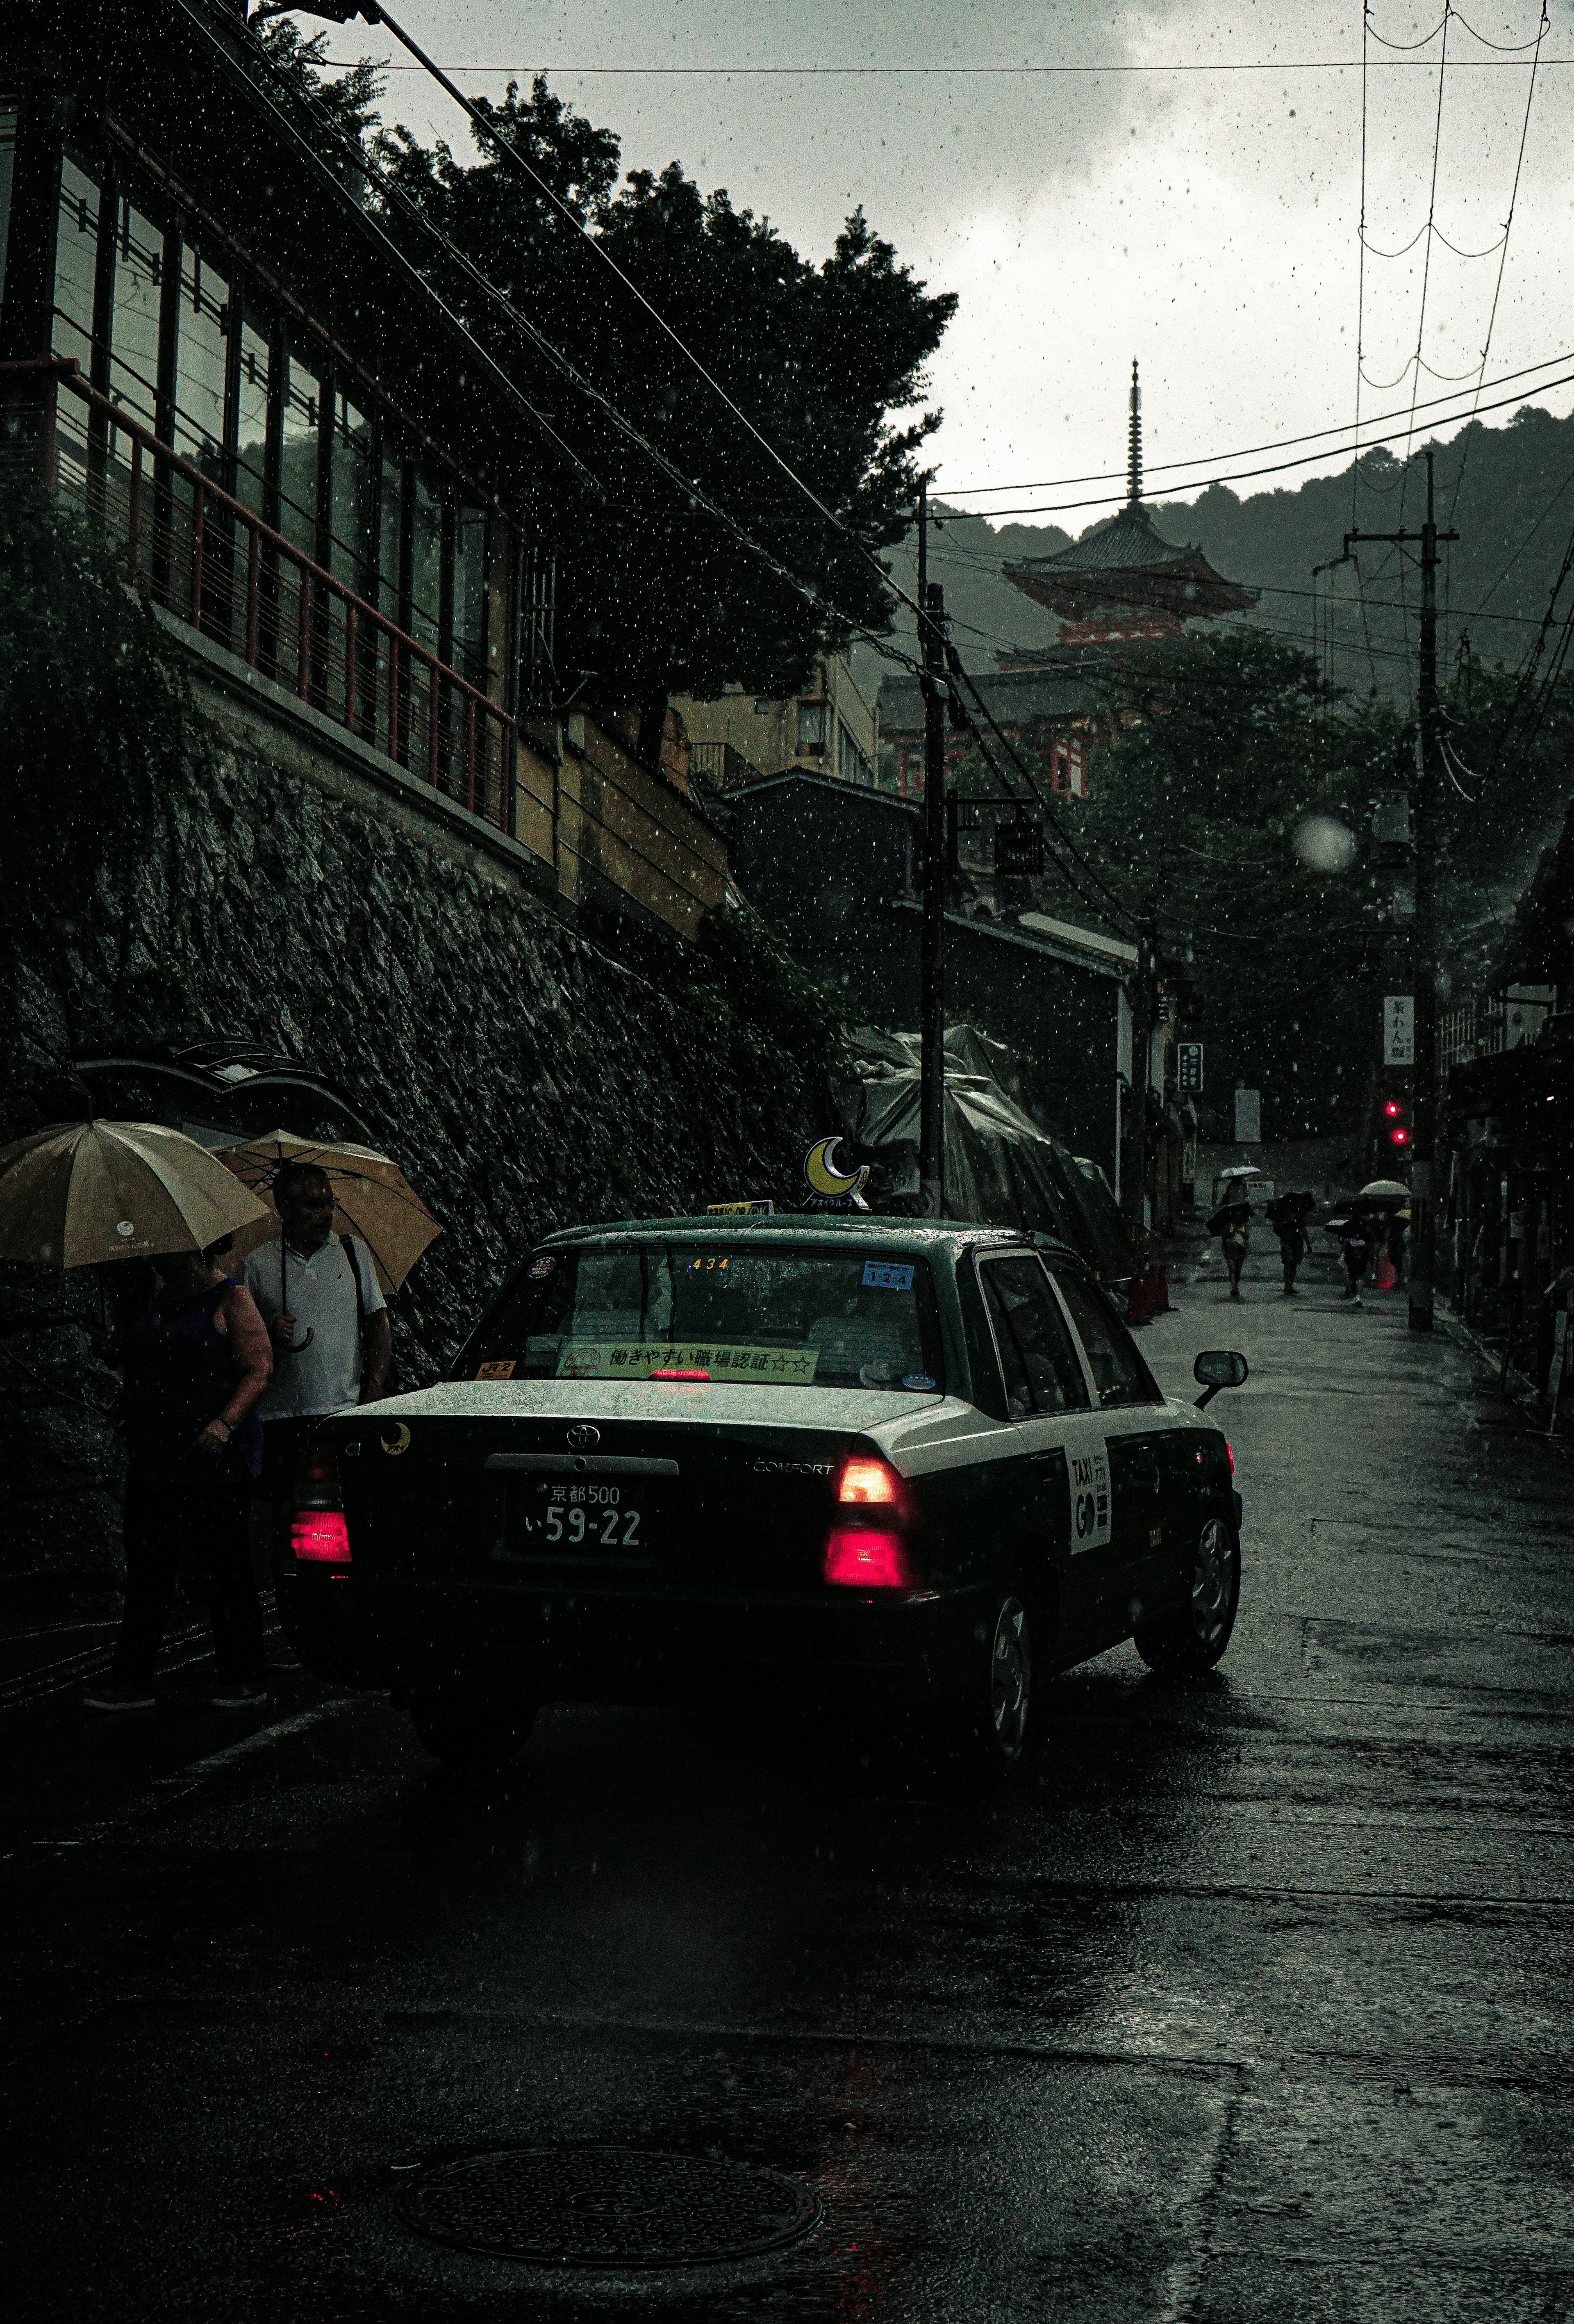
point(1001, 1168)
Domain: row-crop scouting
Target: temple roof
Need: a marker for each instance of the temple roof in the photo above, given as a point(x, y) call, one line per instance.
point(1129, 561)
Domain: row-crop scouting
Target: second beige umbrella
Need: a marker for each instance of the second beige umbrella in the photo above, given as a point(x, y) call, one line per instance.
point(372, 1198)
point(84, 1191)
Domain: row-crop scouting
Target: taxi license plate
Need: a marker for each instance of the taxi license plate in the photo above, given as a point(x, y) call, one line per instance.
point(593, 1523)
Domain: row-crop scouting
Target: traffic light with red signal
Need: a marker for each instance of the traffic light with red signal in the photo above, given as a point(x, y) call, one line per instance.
point(1396, 1123)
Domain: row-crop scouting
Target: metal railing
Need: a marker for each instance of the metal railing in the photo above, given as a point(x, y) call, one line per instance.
point(203, 556)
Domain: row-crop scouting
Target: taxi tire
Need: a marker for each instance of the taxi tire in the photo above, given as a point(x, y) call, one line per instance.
point(474, 1739)
point(1000, 1702)
point(1190, 1641)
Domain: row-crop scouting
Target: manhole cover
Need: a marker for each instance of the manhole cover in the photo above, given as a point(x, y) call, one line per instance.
point(608, 2207)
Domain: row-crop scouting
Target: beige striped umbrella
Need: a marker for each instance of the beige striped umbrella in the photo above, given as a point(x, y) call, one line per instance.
point(84, 1191)
point(372, 1198)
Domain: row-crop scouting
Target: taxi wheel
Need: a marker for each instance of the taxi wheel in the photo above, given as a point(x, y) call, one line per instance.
point(1004, 1716)
point(1193, 1639)
point(474, 1739)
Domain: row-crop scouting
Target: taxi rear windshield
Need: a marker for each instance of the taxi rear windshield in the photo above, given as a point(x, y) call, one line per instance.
point(766, 1319)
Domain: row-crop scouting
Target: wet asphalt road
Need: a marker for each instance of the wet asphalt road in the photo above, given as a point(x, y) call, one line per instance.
point(1251, 2003)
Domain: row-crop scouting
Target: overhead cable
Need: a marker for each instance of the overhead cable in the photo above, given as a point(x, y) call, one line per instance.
point(1507, 229)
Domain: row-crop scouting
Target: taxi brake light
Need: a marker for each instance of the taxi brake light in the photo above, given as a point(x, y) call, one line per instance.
point(867, 1480)
point(862, 1557)
point(321, 1537)
point(1230, 1454)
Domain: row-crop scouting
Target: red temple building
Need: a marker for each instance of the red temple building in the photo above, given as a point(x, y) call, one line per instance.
point(1125, 582)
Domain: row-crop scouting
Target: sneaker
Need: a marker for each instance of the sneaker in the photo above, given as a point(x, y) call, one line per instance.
point(236, 1696)
point(111, 1697)
point(1358, 1299)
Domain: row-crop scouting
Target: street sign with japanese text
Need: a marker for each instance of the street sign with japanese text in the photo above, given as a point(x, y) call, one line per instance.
point(1399, 1029)
point(1188, 1068)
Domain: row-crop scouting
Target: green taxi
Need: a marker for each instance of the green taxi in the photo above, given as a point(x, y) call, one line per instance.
point(837, 1459)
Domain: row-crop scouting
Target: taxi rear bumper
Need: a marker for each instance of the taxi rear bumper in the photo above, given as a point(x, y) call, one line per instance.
point(601, 1645)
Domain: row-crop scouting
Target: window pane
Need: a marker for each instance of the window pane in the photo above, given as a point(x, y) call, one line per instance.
point(390, 530)
point(1022, 1303)
point(76, 259)
point(351, 547)
point(1120, 1375)
point(1018, 1393)
point(201, 350)
point(470, 593)
point(133, 332)
point(811, 725)
point(251, 429)
point(768, 1319)
point(298, 455)
point(426, 565)
point(7, 171)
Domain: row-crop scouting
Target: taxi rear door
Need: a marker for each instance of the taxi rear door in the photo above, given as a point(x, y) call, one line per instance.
point(1050, 1405)
point(1144, 1448)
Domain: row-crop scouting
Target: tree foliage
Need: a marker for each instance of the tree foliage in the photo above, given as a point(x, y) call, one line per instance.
point(1234, 804)
point(824, 360)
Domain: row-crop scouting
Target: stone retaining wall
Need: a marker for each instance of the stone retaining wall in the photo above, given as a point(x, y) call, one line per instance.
point(524, 1077)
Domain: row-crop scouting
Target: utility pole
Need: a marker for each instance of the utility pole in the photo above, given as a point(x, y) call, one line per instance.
point(1424, 947)
point(932, 1005)
point(1142, 1004)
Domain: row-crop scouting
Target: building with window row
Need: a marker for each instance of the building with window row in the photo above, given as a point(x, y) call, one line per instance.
point(831, 728)
point(214, 348)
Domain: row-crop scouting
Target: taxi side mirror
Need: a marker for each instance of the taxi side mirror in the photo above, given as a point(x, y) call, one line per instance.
point(1218, 1368)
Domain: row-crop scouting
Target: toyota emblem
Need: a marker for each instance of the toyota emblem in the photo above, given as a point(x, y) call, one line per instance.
point(583, 1436)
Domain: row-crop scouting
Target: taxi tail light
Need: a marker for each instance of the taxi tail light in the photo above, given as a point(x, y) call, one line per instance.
point(867, 1557)
point(319, 1534)
point(869, 1480)
point(1230, 1454)
point(866, 1547)
point(319, 1537)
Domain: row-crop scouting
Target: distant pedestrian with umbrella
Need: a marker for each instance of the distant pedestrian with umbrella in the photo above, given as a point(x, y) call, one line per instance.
point(1356, 1250)
point(1288, 1218)
point(1232, 1223)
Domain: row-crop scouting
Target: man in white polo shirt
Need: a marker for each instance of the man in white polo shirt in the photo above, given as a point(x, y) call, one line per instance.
point(326, 1316)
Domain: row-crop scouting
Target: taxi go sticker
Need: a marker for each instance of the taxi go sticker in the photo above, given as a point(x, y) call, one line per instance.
point(1089, 1474)
point(637, 1360)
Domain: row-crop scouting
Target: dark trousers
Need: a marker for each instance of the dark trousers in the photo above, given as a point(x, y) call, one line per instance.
point(204, 1521)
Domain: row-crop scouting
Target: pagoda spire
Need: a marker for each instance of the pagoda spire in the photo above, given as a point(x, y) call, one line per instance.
point(1134, 442)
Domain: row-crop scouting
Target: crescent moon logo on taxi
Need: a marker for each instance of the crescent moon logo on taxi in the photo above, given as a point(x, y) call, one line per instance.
point(398, 1442)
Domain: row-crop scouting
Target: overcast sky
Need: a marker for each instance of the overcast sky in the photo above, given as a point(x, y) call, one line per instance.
point(1204, 221)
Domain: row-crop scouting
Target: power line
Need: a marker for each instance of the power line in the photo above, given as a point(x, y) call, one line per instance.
point(516, 160)
point(1542, 31)
point(1246, 451)
point(954, 71)
point(1246, 476)
point(687, 486)
point(1437, 147)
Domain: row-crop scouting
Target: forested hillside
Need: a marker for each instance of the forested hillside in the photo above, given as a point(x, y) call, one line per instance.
point(1508, 490)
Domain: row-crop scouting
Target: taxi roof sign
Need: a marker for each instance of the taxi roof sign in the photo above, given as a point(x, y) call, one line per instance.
point(754, 1206)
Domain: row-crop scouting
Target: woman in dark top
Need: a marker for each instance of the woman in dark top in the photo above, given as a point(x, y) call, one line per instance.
point(196, 1363)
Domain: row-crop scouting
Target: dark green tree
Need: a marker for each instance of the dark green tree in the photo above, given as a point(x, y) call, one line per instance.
point(823, 359)
point(1234, 799)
